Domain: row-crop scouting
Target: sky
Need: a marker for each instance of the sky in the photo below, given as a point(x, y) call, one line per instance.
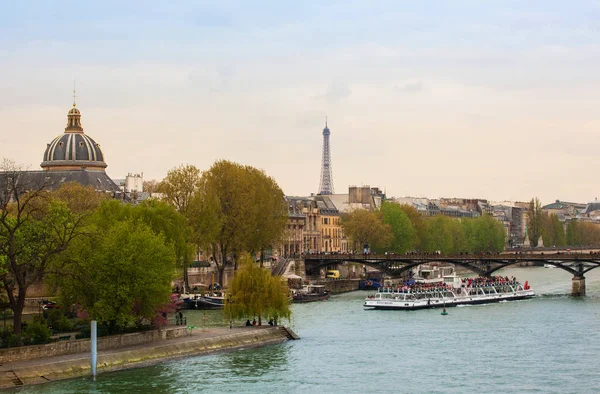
point(466, 98)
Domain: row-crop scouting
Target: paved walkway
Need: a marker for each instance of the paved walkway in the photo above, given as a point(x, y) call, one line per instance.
point(11, 373)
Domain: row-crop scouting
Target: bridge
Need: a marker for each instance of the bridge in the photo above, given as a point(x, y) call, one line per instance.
point(481, 264)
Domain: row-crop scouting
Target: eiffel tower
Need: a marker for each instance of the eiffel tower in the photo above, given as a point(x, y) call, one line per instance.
point(326, 186)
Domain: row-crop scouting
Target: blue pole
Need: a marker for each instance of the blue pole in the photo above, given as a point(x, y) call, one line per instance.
point(94, 343)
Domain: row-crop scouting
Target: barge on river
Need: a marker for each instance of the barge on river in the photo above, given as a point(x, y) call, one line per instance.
point(206, 301)
point(311, 293)
point(454, 291)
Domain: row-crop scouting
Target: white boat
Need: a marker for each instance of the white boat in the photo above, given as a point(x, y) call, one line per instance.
point(453, 291)
point(432, 273)
point(549, 266)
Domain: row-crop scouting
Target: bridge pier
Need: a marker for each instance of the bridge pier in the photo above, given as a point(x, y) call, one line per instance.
point(578, 286)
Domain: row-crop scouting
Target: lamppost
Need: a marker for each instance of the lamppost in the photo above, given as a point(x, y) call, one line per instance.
point(230, 301)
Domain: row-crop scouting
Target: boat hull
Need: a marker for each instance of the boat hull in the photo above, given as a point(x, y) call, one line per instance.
point(203, 303)
point(440, 303)
point(298, 299)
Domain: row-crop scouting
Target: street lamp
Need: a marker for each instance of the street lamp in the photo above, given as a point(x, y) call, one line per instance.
point(230, 301)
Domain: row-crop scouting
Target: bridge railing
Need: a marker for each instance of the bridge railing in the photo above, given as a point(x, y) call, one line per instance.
point(464, 256)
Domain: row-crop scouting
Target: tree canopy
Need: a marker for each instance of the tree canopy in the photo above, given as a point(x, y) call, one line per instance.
point(255, 293)
point(534, 222)
point(36, 226)
point(120, 274)
point(179, 186)
point(237, 209)
point(367, 228)
point(404, 234)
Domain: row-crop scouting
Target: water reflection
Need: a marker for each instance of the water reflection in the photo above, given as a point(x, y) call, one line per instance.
point(256, 362)
point(549, 344)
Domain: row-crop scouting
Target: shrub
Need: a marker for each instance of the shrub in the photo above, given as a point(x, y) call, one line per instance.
point(37, 333)
point(58, 322)
point(8, 339)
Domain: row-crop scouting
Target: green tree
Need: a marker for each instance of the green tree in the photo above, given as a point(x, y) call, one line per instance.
point(119, 275)
point(440, 234)
point(404, 235)
point(269, 212)
point(418, 222)
point(552, 230)
point(179, 186)
point(574, 236)
point(35, 227)
point(559, 232)
point(366, 227)
point(485, 234)
point(534, 222)
point(257, 293)
point(164, 219)
point(582, 234)
point(237, 209)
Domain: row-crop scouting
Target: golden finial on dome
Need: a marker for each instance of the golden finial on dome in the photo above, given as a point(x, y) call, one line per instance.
point(74, 93)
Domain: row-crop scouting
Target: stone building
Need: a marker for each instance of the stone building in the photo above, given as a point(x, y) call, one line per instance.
point(301, 235)
point(330, 227)
point(314, 226)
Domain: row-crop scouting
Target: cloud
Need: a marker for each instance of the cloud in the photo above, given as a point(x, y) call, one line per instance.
point(335, 92)
point(414, 87)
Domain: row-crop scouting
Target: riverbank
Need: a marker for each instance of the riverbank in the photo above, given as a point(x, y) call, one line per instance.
point(198, 342)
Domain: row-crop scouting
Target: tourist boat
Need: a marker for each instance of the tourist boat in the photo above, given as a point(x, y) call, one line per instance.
point(207, 301)
point(310, 293)
point(454, 292)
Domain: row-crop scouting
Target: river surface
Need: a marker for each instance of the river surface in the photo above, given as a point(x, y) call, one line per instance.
point(550, 344)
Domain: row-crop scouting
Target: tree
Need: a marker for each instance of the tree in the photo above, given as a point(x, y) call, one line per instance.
point(439, 235)
point(367, 228)
point(119, 275)
point(35, 227)
point(235, 209)
point(485, 234)
point(269, 212)
point(582, 234)
point(257, 293)
point(151, 186)
point(418, 222)
point(164, 219)
point(179, 186)
point(534, 222)
point(404, 235)
point(552, 230)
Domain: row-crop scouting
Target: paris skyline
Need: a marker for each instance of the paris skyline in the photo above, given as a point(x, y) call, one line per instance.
point(460, 99)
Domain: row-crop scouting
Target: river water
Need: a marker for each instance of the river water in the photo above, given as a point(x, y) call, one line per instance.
point(550, 344)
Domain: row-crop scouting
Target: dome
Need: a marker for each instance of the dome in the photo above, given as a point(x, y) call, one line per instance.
point(73, 149)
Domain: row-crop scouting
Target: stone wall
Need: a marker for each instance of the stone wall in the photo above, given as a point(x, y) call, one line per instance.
point(150, 354)
point(24, 353)
point(335, 286)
